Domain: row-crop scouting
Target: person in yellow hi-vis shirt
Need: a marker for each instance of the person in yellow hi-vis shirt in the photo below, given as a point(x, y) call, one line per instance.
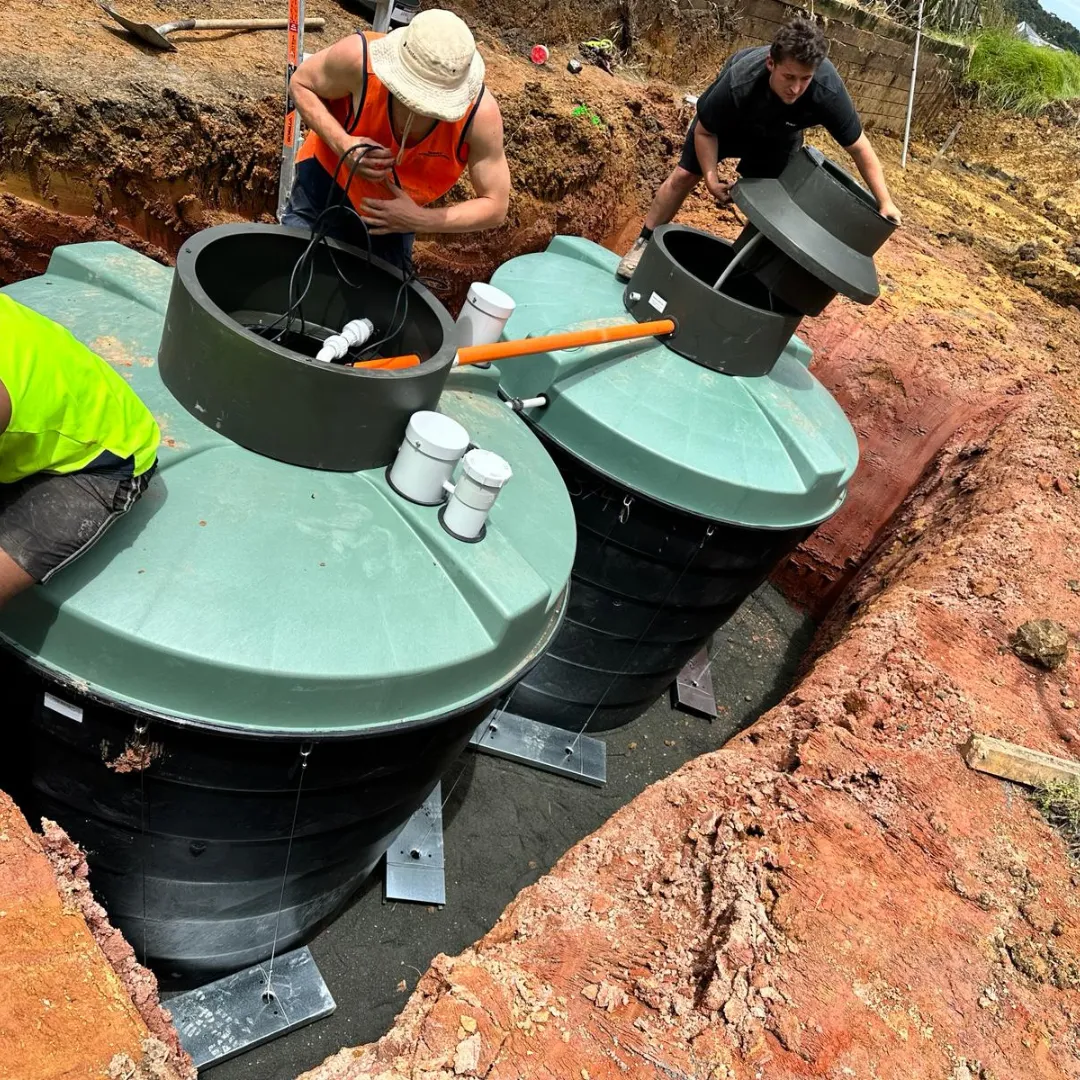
point(77, 448)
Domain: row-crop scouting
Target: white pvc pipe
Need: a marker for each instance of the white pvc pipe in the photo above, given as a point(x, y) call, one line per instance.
point(431, 449)
point(484, 315)
point(483, 476)
point(736, 260)
point(911, 89)
point(352, 334)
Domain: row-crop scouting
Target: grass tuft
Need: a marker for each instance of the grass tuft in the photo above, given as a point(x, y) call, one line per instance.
point(1059, 803)
point(1008, 73)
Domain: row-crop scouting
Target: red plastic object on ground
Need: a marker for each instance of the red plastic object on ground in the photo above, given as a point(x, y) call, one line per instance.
point(539, 54)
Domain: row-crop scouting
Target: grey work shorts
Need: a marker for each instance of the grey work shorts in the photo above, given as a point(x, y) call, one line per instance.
point(49, 519)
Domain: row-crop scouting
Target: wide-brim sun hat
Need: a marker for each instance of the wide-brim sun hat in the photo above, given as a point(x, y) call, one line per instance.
point(431, 66)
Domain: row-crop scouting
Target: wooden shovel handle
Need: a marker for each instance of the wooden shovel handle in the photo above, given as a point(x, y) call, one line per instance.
point(252, 24)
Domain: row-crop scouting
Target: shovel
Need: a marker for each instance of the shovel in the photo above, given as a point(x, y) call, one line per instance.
point(157, 36)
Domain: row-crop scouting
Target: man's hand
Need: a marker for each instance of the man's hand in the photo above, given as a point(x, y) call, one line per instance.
point(723, 195)
point(398, 214)
point(862, 153)
point(719, 190)
point(889, 209)
point(375, 163)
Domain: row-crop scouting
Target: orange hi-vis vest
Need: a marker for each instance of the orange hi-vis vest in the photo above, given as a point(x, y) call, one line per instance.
point(428, 169)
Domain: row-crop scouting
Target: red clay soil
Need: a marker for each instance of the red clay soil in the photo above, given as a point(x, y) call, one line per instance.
point(74, 1005)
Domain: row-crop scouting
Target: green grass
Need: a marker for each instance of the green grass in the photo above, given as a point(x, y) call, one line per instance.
point(1060, 805)
point(1011, 74)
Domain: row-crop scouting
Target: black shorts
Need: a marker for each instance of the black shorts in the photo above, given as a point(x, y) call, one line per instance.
point(767, 159)
point(49, 519)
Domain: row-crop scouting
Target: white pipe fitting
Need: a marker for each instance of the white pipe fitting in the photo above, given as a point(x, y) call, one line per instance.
point(483, 475)
point(517, 404)
point(352, 334)
point(484, 315)
point(432, 448)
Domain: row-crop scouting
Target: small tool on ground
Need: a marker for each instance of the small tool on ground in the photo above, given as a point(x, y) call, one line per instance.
point(600, 51)
point(157, 36)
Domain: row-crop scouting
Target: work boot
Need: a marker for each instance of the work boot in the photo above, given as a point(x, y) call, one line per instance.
point(631, 259)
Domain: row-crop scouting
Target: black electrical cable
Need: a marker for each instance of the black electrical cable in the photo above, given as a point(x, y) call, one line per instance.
point(408, 276)
point(305, 263)
point(318, 235)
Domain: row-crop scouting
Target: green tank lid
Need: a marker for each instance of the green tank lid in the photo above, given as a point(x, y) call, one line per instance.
point(247, 594)
point(772, 452)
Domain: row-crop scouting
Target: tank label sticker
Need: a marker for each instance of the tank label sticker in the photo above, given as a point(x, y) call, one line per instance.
point(658, 302)
point(62, 708)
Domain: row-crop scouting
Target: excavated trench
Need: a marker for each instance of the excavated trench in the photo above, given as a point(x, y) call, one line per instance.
point(506, 826)
point(146, 148)
point(921, 595)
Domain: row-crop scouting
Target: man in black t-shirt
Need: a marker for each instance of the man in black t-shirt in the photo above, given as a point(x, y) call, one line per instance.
point(756, 111)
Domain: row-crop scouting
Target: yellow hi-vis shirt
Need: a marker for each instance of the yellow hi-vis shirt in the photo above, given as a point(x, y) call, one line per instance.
point(69, 409)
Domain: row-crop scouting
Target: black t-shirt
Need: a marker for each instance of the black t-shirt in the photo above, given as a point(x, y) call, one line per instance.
point(742, 111)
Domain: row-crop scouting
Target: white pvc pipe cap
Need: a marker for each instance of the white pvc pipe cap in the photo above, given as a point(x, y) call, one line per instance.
point(487, 468)
point(491, 301)
point(437, 436)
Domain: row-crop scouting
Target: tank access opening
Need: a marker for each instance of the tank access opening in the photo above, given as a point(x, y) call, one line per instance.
point(251, 309)
point(707, 257)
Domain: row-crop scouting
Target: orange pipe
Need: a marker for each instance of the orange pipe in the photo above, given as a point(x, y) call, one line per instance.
point(571, 339)
point(397, 363)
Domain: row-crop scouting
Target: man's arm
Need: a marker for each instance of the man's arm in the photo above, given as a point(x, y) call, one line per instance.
point(489, 172)
point(490, 176)
point(866, 161)
point(707, 148)
point(716, 111)
point(335, 73)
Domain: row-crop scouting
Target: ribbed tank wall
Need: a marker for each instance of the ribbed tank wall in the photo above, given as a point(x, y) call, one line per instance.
point(650, 585)
point(187, 853)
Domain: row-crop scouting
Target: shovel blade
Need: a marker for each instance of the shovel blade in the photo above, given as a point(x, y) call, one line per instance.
point(143, 31)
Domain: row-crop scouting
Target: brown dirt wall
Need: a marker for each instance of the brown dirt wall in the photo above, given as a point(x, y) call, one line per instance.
point(74, 1005)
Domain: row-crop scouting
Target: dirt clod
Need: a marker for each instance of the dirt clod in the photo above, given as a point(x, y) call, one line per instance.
point(1042, 642)
point(1045, 962)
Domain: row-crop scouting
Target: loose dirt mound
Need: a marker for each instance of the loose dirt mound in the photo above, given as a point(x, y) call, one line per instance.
point(1011, 188)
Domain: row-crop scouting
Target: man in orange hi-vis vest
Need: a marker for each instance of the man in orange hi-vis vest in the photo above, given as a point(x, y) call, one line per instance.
point(405, 114)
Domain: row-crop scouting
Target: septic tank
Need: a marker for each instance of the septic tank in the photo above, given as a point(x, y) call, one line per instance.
point(240, 695)
point(695, 462)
